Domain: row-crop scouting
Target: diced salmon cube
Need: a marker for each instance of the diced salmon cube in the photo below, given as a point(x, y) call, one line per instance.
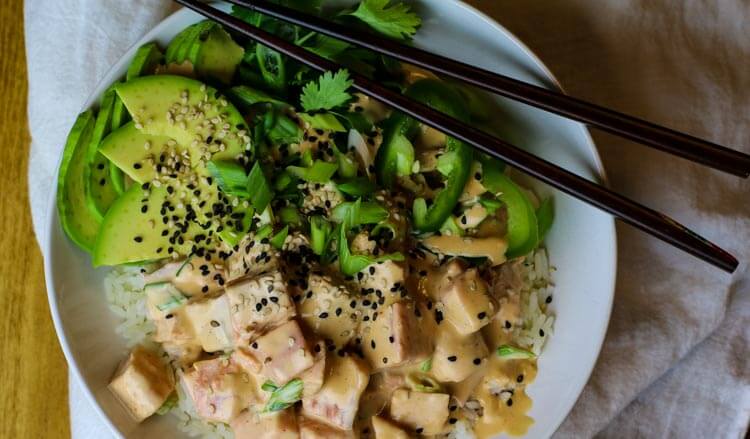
point(282, 353)
point(142, 383)
point(396, 337)
point(258, 305)
point(326, 308)
point(425, 413)
point(386, 429)
point(457, 356)
point(275, 425)
point(253, 258)
point(211, 323)
point(336, 403)
point(220, 389)
point(314, 377)
point(312, 429)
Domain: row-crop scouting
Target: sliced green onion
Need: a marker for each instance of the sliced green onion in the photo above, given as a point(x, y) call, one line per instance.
point(356, 213)
point(278, 239)
point(357, 187)
point(269, 386)
point(347, 166)
point(352, 264)
point(282, 181)
point(284, 396)
point(168, 405)
point(290, 216)
point(423, 383)
point(491, 204)
point(264, 232)
point(323, 121)
point(230, 177)
point(509, 352)
point(320, 235)
point(184, 264)
point(319, 172)
point(450, 227)
point(258, 189)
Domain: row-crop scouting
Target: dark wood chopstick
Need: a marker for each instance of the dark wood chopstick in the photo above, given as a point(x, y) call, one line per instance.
point(627, 210)
point(629, 127)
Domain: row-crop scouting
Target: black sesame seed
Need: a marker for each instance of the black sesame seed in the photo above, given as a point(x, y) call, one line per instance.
point(509, 402)
point(215, 324)
point(136, 166)
point(254, 345)
point(317, 348)
point(258, 306)
point(481, 315)
point(144, 208)
point(323, 315)
point(391, 339)
point(419, 430)
point(372, 270)
point(519, 379)
point(205, 288)
point(385, 360)
point(477, 361)
point(452, 421)
point(452, 358)
point(138, 239)
point(372, 344)
point(548, 299)
point(507, 324)
point(541, 332)
point(338, 311)
point(102, 182)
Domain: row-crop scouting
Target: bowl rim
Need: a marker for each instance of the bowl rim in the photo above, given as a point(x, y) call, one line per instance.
point(46, 245)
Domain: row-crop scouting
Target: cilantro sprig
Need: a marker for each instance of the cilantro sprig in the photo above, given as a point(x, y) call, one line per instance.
point(329, 91)
point(392, 19)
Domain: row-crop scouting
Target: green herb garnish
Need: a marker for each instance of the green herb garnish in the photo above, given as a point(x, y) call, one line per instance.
point(284, 396)
point(392, 19)
point(509, 352)
point(328, 92)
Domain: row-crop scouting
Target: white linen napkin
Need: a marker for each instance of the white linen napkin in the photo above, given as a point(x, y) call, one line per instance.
point(675, 360)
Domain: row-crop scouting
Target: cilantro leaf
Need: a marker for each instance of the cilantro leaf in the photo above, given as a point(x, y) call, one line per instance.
point(395, 20)
point(328, 92)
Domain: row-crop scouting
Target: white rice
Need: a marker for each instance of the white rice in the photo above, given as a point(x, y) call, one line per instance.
point(124, 290)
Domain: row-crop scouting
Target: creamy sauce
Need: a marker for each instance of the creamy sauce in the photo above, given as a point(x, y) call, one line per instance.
point(492, 248)
point(499, 416)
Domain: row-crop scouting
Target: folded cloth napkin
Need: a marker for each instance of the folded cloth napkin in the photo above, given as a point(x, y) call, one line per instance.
point(675, 360)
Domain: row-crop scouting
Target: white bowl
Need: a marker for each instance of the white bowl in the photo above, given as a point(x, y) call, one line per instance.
point(582, 243)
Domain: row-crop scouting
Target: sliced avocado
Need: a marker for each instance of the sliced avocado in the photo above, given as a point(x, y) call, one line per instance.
point(100, 193)
point(129, 149)
point(117, 178)
point(145, 60)
point(79, 223)
point(218, 55)
point(209, 48)
point(157, 104)
point(133, 229)
point(179, 45)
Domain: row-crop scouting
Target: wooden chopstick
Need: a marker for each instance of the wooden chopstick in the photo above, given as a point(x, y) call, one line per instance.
point(629, 127)
point(627, 210)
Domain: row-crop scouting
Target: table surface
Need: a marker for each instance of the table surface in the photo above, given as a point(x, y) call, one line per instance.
point(33, 373)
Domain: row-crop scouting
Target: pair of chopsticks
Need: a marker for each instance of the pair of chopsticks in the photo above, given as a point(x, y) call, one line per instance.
point(629, 211)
